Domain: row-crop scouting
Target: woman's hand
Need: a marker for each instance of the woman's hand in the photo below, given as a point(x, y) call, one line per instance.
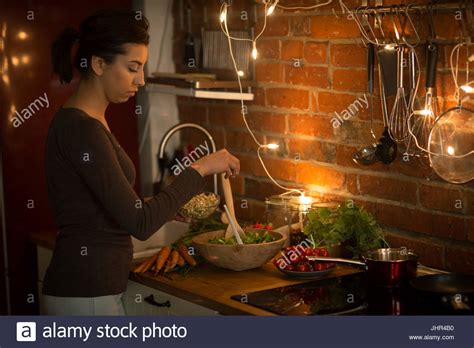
point(218, 162)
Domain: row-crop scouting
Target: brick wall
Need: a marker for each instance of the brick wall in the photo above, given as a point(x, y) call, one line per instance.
point(294, 106)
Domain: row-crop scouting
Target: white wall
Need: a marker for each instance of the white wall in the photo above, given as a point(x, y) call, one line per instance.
point(160, 111)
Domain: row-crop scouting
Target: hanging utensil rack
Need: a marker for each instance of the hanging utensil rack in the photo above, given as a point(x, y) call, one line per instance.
point(438, 6)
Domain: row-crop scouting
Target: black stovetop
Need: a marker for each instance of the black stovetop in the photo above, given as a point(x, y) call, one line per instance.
point(346, 295)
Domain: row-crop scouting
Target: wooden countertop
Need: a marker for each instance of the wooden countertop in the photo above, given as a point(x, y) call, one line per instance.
point(212, 287)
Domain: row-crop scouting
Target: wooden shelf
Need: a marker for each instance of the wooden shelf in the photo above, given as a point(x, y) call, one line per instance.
point(190, 85)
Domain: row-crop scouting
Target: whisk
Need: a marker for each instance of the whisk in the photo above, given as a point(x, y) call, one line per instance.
point(398, 129)
point(421, 121)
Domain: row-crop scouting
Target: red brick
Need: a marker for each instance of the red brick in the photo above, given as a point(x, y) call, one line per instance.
point(288, 98)
point(315, 126)
point(267, 122)
point(305, 150)
point(469, 202)
point(338, 102)
point(260, 189)
point(315, 52)
point(448, 227)
point(431, 254)
point(446, 25)
point(413, 167)
point(241, 141)
point(327, 27)
point(351, 184)
point(444, 199)
point(388, 188)
point(259, 98)
point(291, 49)
point(192, 113)
point(314, 102)
point(276, 26)
point(470, 229)
point(348, 55)
point(237, 185)
point(311, 76)
point(268, 49)
point(279, 168)
point(218, 135)
point(313, 174)
point(349, 80)
point(268, 72)
point(353, 130)
point(407, 219)
point(300, 26)
point(460, 259)
point(411, 219)
point(226, 116)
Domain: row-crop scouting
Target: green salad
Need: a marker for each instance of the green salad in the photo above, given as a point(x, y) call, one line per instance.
point(247, 238)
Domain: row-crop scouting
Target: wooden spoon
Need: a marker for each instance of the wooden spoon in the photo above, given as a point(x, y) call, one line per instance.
point(229, 201)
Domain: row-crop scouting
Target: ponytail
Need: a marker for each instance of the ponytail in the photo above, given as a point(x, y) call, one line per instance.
point(102, 34)
point(61, 54)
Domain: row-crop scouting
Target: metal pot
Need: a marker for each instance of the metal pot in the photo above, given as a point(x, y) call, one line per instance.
point(385, 267)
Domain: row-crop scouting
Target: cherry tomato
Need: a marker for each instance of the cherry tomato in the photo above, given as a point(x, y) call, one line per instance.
point(318, 267)
point(257, 225)
point(290, 268)
point(268, 227)
point(323, 252)
point(304, 267)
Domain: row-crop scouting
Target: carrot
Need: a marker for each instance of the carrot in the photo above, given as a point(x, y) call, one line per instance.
point(172, 260)
point(150, 263)
point(141, 266)
point(181, 261)
point(162, 257)
point(183, 251)
point(138, 268)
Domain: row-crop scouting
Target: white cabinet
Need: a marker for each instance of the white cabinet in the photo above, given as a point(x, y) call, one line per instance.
point(135, 303)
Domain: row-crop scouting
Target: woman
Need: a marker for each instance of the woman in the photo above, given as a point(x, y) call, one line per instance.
point(90, 177)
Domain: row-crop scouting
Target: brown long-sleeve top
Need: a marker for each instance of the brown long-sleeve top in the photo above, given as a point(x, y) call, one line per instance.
point(90, 188)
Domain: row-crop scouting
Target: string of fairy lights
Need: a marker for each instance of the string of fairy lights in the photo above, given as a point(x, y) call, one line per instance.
point(269, 8)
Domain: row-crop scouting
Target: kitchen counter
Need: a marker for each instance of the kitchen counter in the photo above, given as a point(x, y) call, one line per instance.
point(212, 287)
point(207, 285)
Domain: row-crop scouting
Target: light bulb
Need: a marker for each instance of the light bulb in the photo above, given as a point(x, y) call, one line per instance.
point(272, 146)
point(254, 50)
point(240, 73)
point(223, 15)
point(272, 8)
point(424, 112)
point(467, 89)
point(22, 35)
point(15, 60)
point(390, 47)
point(450, 150)
point(306, 200)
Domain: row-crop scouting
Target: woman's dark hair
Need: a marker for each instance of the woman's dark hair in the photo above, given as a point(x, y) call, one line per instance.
point(103, 34)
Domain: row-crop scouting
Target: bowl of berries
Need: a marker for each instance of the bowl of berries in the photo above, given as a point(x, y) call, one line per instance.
point(293, 262)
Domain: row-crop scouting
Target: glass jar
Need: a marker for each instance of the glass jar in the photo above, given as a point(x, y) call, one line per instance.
point(289, 211)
